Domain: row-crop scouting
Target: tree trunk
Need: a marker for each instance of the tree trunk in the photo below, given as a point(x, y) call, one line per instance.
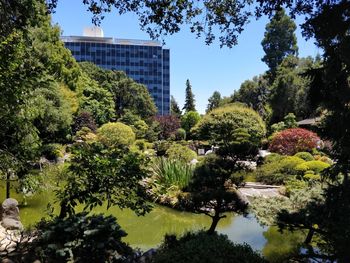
point(63, 211)
point(8, 186)
point(214, 223)
point(309, 236)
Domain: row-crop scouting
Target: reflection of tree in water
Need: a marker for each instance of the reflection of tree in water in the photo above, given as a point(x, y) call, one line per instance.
point(279, 245)
point(148, 231)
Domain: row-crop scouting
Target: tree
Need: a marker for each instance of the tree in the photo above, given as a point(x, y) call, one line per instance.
point(289, 91)
point(255, 94)
point(214, 101)
point(84, 119)
point(189, 100)
point(79, 238)
point(189, 120)
point(330, 88)
point(230, 127)
point(199, 247)
point(237, 131)
point(97, 174)
point(168, 126)
point(127, 95)
point(98, 101)
point(174, 107)
point(212, 193)
point(279, 40)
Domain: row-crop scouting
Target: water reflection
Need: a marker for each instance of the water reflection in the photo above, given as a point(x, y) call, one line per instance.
point(148, 231)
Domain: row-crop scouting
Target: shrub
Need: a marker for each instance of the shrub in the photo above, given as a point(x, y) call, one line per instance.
point(201, 247)
point(316, 166)
point(312, 167)
point(86, 135)
point(311, 176)
point(293, 140)
point(305, 156)
point(189, 120)
point(180, 134)
point(273, 157)
point(79, 238)
point(295, 184)
point(52, 151)
point(170, 173)
point(168, 125)
point(289, 164)
point(161, 147)
point(143, 144)
point(182, 153)
point(325, 159)
point(279, 171)
point(84, 119)
point(114, 134)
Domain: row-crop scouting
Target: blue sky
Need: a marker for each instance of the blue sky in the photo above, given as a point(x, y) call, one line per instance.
point(208, 68)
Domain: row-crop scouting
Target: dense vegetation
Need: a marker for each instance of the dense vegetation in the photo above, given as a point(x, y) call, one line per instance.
point(117, 151)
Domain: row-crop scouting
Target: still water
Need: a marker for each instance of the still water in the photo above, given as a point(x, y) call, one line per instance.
point(147, 231)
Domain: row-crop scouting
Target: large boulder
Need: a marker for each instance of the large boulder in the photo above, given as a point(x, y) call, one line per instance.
point(10, 215)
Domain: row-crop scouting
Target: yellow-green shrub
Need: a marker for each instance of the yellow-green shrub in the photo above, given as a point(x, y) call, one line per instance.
point(179, 152)
point(114, 134)
point(317, 166)
point(305, 156)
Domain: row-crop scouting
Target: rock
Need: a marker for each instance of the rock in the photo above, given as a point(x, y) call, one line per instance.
point(6, 260)
point(11, 224)
point(147, 256)
point(10, 214)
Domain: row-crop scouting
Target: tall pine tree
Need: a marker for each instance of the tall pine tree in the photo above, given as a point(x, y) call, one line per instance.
point(174, 107)
point(189, 101)
point(279, 40)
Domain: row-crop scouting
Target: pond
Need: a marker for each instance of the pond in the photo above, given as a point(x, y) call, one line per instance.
point(147, 231)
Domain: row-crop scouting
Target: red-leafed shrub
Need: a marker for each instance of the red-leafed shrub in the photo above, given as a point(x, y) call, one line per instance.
point(168, 126)
point(291, 141)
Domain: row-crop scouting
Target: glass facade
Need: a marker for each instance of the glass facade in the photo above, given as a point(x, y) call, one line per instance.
point(144, 61)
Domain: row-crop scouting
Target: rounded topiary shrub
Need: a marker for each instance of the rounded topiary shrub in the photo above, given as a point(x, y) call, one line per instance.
point(294, 140)
point(201, 247)
point(180, 152)
point(226, 123)
point(305, 156)
point(115, 134)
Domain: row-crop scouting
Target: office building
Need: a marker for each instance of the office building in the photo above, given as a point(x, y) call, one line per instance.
point(147, 62)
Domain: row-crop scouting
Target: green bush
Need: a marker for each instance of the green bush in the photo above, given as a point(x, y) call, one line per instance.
point(52, 151)
point(279, 171)
point(273, 157)
point(220, 124)
point(316, 166)
point(201, 247)
point(79, 238)
point(180, 134)
point(295, 184)
point(305, 156)
point(143, 144)
point(311, 176)
point(161, 147)
point(116, 134)
point(289, 164)
point(171, 173)
point(182, 153)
